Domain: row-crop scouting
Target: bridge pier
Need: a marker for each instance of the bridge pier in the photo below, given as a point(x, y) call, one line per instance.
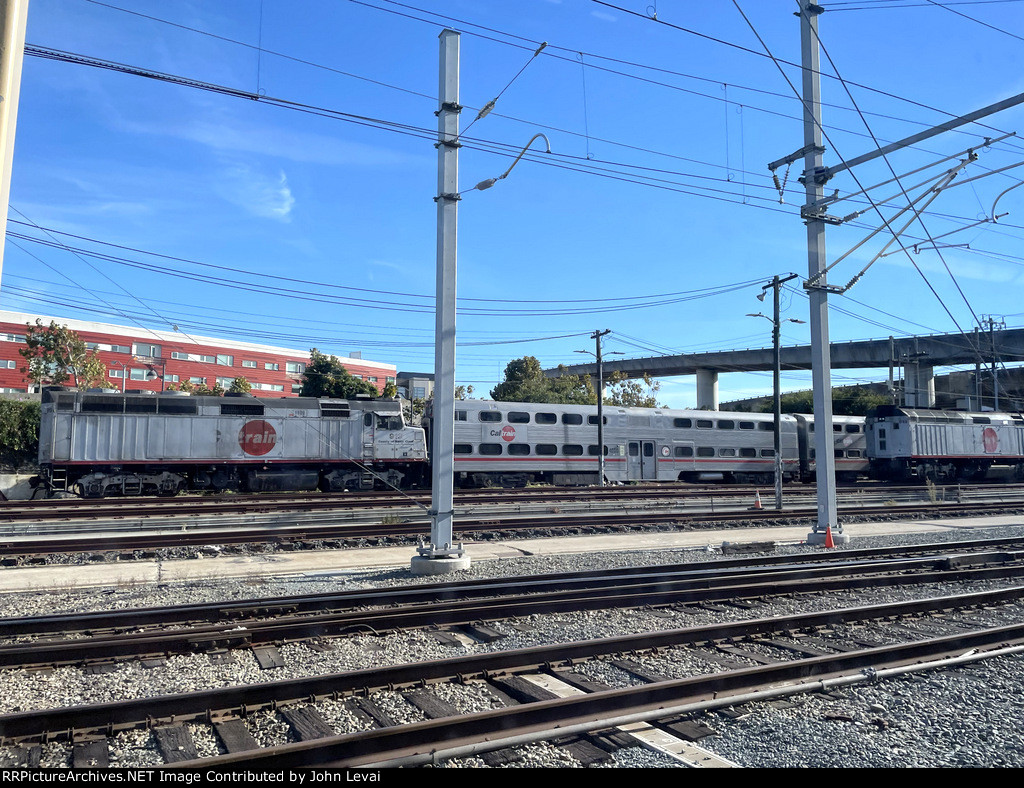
point(707, 389)
point(919, 386)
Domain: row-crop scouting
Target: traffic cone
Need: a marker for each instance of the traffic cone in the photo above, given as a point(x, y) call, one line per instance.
point(757, 500)
point(828, 537)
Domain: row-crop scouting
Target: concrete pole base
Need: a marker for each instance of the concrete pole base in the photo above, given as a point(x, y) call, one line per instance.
point(438, 566)
point(818, 538)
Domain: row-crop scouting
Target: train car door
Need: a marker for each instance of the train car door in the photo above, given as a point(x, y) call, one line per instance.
point(369, 422)
point(641, 462)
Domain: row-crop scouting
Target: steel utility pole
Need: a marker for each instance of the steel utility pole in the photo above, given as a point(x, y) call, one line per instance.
point(13, 18)
point(821, 360)
point(992, 323)
point(777, 382)
point(596, 336)
point(442, 555)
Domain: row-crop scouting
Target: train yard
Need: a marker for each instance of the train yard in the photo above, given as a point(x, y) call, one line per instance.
point(669, 658)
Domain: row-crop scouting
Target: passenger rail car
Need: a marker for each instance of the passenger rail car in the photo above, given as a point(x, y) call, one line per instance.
point(943, 445)
point(850, 447)
point(513, 444)
point(106, 443)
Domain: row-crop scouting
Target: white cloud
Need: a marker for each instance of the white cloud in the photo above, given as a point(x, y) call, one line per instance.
point(266, 196)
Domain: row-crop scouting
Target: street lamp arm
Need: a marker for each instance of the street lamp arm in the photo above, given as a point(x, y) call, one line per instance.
point(487, 184)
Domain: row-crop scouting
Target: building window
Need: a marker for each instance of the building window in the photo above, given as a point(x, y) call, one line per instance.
point(170, 378)
point(272, 366)
point(179, 356)
point(294, 367)
point(205, 359)
point(249, 364)
point(120, 349)
point(225, 361)
point(419, 392)
point(198, 381)
point(8, 365)
point(371, 380)
point(12, 337)
point(116, 373)
point(225, 383)
point(139, 374)
point(390, 380)
point(149, 351)
point(296, 388)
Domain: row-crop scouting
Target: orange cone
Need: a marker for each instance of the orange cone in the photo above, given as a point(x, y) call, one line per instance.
point(757, 500)
point(828, 537)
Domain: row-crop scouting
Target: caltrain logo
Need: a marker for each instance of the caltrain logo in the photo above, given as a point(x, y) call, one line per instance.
point(257, 437)
point(508, 433)
point(991, 440)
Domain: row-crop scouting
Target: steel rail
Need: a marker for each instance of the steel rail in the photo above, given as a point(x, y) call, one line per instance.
point(73, 723)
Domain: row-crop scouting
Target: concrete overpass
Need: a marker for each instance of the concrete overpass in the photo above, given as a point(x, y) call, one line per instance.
point(918, 356)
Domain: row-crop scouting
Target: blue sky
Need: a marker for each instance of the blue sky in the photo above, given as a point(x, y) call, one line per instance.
point(306, 218)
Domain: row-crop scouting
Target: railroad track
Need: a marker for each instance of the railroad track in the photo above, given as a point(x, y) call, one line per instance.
point(125, 539)
point(543, 693)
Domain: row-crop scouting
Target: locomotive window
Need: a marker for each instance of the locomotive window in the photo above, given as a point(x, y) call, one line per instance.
point(518, 417)
point(727, 452)
point(684, 451)
point(704, 424)
point(177, 405)
point(593, 419)
point(463, 448)
point(389, 422)
point(519, 449)
point(140, 406)
point(684, 424)
point(367, 419)
point(548, 449)
point(490, 448)
point(705, 451)
point(241, 409)
point(572, 450)
point(545, 418)
point(726, 425)
point(748, 452)
point(767, 452)
point(572, 418)
point(648, 450)
point(490, 415)
point(592, 450)
point(746, 425)
point(981, 420)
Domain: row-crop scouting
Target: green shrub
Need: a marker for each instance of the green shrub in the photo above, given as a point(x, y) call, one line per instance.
point(19, 433)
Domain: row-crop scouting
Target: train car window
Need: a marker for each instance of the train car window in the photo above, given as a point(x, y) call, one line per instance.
point(572, 418)
point(853, 453)
point(519, 449)
point(460, 415)
point(547, 449)
point(545, 418)
point(648, 449)
point(177, 405)
point(683, 424)
point(726, 424)
point(463, 448)
point(727, 452)
point(748, 452)
point(102, 405)
point(852, 428)
point(592, 450)
point(490, 415)
point(767, 452)
point(769, 426)
point(634, 450)
point(140, 406)
point(572, 450)
point(241, 409)
point(684, 451)
point(746, 425)
point(705, 451)
point(593, 420)
point(840, 454)
point(490, 448)
point(518, 417)
point(837, 428)
point(704, 424)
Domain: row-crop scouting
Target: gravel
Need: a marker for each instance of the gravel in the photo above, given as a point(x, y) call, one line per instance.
point(963, 717)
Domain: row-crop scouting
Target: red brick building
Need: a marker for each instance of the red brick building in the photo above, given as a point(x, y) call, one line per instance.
point(140, 359)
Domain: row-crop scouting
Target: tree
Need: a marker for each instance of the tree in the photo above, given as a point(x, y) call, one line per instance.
point(56, 354)
point(525, 382)
point(390, 390)
point(19, 433)
point(624, 392)
point(846, 401)
point(239, 386)
point(326, 377)
point(463, 392)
